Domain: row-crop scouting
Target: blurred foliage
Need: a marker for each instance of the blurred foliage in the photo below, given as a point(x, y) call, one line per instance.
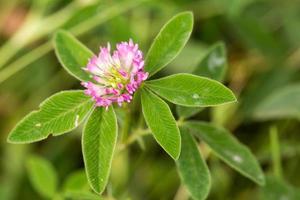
point(263, 48)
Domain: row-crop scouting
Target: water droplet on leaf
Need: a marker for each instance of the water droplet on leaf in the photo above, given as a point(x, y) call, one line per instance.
point(38, 124)
point(196, 96)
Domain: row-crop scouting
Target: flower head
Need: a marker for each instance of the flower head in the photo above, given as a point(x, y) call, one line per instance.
point(115, 77)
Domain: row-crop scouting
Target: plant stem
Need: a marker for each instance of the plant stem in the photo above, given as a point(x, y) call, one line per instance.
point(24, 61)
point(7, 51)
point(80, 29)
point(180, 121)
point(275, 151)
point(126, 125)
point(134, 137)
point(205, 150)
point(33, 29)
point(103, 16)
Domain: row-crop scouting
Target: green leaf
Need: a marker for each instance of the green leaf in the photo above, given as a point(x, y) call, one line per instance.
point(234, 8)
point(263, 85)
point(192, 168)
point(77, 181)
point(58, 114)
point(190, 56)
point(283, 103)
point(229, 149)
point(253, 32)
point(82, 195)
point(291, 25)
point(161, 122)
point(276, 189)
point(214, 66)
point(186, 112)
point(214, 63)
point(98, 144)
point(72, 54)
point(169, 42)
point(42, 176)
point(191, 90)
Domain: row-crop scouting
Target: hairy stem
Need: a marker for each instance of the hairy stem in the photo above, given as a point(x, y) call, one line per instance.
point(126, 125)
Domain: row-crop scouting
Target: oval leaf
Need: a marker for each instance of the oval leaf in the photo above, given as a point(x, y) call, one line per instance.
point(58, 114)
point(169, 42)
point(186, 112)
point(191, 90)
point(82, 195)
point(98, 144)
point(42, 176)
point(72, 54)
point(283, 103)
point(161, 122)
point(77, 181)
point(214, 66)
point(277, 189)
point(214, 63)
point(227, 148)
point(192, 168)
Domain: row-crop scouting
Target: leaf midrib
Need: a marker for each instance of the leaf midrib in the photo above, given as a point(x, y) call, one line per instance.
point(173, 41)
point(186, 93)
point(60, 115)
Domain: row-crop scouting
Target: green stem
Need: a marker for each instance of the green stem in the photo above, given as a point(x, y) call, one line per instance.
point(19, 39)
point(126, 125)
point(33, 29)
point(180, 121)
point(135, 136)
point(103, 16)
point(80, 29)
point(7, 51)
point(24, 61)
point(275, 151)
point(205, 150)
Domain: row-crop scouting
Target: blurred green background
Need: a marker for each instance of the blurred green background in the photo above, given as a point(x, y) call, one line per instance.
point(262, 39)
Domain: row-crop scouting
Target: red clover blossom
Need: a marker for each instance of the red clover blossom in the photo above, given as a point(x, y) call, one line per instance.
point(117, 76)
